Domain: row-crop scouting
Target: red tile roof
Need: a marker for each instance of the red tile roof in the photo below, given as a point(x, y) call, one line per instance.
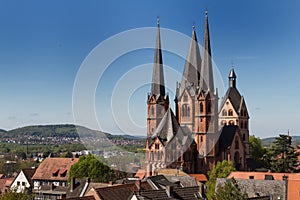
point(140, 174)
point(199, 177)
point(56, 169)
point(121, 192)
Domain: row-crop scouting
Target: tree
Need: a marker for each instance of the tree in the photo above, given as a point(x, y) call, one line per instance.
point(221, 170)
point(13, 195)
point(257, 151)
point(91, 167)
point(282, 156)
point(230, 191)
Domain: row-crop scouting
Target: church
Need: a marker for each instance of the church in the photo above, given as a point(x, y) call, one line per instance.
point(198, 134)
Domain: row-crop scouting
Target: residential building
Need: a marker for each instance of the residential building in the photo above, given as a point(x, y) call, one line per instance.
point(23, 181)
point(291, 182)
point(50, 180)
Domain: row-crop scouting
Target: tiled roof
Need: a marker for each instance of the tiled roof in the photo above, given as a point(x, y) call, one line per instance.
point(29, 174)
point(255, 188)
point(78, 187)
point(261, 175)
point(184, 181)
point(199, 177)
point(120, 192)
point(5, 184)
point(140, 174)
point(174, 172)
point(152, 194)
point(95, 185)
point(185, 193)
point(160, 182)
point(293, 180)
point(61, 166)
point(82, 198)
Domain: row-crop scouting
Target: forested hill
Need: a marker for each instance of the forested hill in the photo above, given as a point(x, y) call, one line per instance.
point(270, 140)
point(61, 130)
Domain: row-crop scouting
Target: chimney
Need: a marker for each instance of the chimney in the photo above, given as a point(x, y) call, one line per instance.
point(285, 179)
point(72, 184)
point(138, 184)
point(169, 190)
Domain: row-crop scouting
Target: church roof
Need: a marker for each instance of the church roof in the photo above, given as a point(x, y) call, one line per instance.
point(227, 136)
point(235, 98)
point(206, 74)
point(191, 73)
point(158, 85)
point(169, 130)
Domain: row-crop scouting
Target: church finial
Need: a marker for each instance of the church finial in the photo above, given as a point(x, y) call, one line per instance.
point(158, 21)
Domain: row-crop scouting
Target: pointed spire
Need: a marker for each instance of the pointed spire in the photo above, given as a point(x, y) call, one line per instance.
point(158, 85)
point(232, 78)
point(206, 75)
point(191, 73)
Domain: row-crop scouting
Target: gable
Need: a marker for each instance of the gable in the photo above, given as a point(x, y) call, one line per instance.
point(20, 180)
point(228, 109)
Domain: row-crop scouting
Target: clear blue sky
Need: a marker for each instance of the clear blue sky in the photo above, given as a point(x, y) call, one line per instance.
point(43, 43)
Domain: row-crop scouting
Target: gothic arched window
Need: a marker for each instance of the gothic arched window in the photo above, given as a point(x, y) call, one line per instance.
point(230, 112)
point(231, 122)
point(152, 110)
point(209, 107)
point(236, 143)
point(246, 125)
point(237, 157)
point(201, 107)
point(224, 112)
point(185, 110)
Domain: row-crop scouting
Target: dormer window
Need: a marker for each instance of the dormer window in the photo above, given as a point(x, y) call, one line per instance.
point(63, 173)
point(55, 172)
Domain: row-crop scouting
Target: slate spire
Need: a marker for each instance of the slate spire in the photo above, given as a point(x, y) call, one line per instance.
point(158, 85)
point(232, 78)
point(206, 74)
point(191, 73)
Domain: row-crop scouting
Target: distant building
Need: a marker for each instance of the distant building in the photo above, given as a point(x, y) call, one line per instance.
point(199, 134)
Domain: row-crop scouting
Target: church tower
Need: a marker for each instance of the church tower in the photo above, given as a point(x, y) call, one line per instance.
point(186, 91)
point(234, 110)
point(158, 101)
